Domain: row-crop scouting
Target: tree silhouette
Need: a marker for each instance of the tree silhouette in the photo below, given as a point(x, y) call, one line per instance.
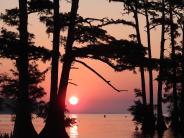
point(175, 119)
point(51, 127)
point(79, 33)
point(133, 6)
point(174, 79)
point(152, 118)
point(10, 90)
point(92, 42)
point(23, 126)
point(182, 91)
point(160, 120)
point(67, 62)
point(19, 47)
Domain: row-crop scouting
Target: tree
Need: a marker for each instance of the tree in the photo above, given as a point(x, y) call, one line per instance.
point(175, 119)
point(160, 120)
point(146, 4)
point(50, 128)
point(23, 125)
point(20, 48)
point(182, 91)
point(133, 6)
point(80, 33)
point(67, 62)
point(9, 89)
point(171, 66)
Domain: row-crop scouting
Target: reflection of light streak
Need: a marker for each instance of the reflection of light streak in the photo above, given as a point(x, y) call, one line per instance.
point(73, 116)
point(74, 131)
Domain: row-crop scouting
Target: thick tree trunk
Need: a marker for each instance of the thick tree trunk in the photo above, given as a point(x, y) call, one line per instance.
point(160, 119)
point(50, 127)
point(62, 95)
point(66, 69)
point(23, 127)
point(55, 56)
point(175, 120)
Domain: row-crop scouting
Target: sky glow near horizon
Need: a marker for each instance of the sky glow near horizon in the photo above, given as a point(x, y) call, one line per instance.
point(94, 95)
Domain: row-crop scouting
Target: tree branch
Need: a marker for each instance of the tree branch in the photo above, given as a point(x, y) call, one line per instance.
point(73, 83)
point(109, 63)
point(106, 22)
point(106, 81)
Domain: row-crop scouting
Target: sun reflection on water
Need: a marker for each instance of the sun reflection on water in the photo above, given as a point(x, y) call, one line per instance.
point(74, 131)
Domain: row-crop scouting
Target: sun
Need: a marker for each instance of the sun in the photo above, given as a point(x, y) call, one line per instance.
point(73, 100)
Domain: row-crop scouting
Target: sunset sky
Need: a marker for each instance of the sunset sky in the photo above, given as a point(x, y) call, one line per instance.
point(94, 95)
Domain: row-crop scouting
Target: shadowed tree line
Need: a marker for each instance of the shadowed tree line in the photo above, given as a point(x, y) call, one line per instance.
point(86, 38)
point(168, 16)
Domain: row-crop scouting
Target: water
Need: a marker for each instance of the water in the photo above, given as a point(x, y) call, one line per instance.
point(93, 126)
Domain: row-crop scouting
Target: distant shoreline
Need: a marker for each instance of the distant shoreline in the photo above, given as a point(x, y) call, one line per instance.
point(81, 113)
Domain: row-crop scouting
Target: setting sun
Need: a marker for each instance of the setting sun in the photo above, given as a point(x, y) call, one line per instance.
point(73, 100)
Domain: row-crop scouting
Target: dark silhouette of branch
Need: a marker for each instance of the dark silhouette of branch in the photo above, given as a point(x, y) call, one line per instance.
point(73, 83)
point(116, 67)
point(106, 22)
point(106, 81)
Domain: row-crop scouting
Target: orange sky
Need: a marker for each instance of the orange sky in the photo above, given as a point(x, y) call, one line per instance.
point(94, 95)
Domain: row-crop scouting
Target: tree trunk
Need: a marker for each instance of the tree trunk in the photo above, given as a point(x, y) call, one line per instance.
point(182, 91)
point(23, 127)
point(151, 108)
point(62, 95)
point(50, 127)
point(175, 119)
point(141, 66)
point(150, 57)
point(66, 69)
point(143, 85)
point(160, 119)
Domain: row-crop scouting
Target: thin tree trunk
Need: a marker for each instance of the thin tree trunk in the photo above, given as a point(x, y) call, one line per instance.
point(151, 108)
point(182, 91)
point(23, 127)
point(175, 120)
point(160, 119)
point(143, 87)
point(150, 57)
point(50, 127)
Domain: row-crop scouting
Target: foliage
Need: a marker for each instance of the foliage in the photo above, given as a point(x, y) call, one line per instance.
point(9, 88)
point(119, 54)
point(137, 111)
point(70, 121)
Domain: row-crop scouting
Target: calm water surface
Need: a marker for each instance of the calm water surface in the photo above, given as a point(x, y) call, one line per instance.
point(93, 126)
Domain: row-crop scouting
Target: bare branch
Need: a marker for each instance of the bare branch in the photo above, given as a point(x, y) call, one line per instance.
point(108, 82)
point(108, 62)
point(73, 83)
point(74, 68)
